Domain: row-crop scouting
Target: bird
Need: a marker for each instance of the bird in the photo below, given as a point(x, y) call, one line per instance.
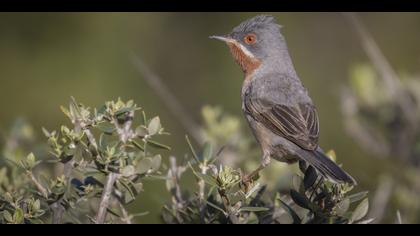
point(277, 106)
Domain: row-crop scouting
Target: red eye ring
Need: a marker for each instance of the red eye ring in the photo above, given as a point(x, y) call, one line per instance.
point(250, 39)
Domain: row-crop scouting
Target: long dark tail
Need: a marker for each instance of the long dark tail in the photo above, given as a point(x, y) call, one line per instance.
point(326, 166)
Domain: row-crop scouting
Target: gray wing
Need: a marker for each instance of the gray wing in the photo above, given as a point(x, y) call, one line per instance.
point(297, 123)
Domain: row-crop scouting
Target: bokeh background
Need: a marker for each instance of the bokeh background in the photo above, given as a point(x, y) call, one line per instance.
point(47, 57)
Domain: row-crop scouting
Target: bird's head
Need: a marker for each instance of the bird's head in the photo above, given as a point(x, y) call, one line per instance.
point(253, 41)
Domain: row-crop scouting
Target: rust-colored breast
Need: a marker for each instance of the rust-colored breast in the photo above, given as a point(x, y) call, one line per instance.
point(248, 64)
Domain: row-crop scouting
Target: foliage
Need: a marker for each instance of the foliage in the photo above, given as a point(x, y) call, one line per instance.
point(102, 162)
point(382, 114)
point(222, 197)
point(97, 166)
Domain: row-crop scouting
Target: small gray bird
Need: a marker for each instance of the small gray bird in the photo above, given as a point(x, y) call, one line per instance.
point(277, 106)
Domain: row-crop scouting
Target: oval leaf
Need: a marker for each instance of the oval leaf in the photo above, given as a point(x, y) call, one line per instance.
point(360, 211)
point(7, 216)
point(254, 209)
point(310, 177)
point(144, 165)
point(300, 199)
point(292, 213)
point(207, 152)
point(342, 207)
point(141, 131)
point(154, 126)
point(358, 196)
point(156, 162)
point(128, 171)
point(158, 145)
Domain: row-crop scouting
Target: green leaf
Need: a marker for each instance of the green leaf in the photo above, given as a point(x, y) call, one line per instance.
point(123, 111)
point(30, 160)
point(106, 128)
point(310, 177)
point(128, 171)
point(360, 211)
point(112, 212)
point(215, 207)
point(157, 145)
point(207, 152)
point(18, 216)
point(208, 179)
point(194, 154)
point(156, 162)
point(102, 110)
point(292, 213)
point(358, 196)
point(154, 126)
point(36, 205)
point(129, 190)
point(66, 112)
point(141, 131)
point(8, 197)
point(144, 165)
point(253, 209)
point(300, 199)
point(342, 207)
point(46, 133)
point(7, 216)
point(137, 145)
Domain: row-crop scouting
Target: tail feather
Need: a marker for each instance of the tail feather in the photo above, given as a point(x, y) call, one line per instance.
point(327, 167)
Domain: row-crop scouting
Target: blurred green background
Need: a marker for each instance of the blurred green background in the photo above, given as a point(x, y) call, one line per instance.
point(47, 57)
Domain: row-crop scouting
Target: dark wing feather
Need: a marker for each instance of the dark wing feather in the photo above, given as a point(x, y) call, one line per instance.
point(298, 124)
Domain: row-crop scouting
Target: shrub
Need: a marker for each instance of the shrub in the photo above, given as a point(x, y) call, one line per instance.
point(97, 166)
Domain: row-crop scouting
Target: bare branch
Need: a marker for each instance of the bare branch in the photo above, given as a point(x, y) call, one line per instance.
point(381, 199)
point(106, 197)
point(126, 217)
point(363, 135)
point(169, 99)
point(391, 80)
point(38, 185)
point(125, 134)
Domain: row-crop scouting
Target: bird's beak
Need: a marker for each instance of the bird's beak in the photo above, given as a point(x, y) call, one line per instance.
point(226, 38)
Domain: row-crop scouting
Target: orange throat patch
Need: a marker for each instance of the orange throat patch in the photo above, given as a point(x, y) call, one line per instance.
point(247, 63)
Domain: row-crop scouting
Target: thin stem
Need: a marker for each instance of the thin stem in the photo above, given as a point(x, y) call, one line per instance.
point(106, 197)
point(174, 174)
point(382, 65)
point(169, 99)
point(126, 217)
point(58, 209)
point(38, 185)
point(125, 134)
point(232, 217)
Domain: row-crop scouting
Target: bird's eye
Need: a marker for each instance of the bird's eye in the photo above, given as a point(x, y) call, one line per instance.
point(250, 39)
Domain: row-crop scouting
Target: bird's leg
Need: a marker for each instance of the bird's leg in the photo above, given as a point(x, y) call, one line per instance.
point(265, 162)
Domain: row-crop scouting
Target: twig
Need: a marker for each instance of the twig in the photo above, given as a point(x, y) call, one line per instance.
point(381, 199)
point(389, 76)
point(399, 219)
point(57, 207)
point(174, 174)
point(362, 134)
point(169, 99)
point(201, 192)
point(126, 217)
point(106, 197)
point(38, 185)
point(125, 134)
point(232, 217)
